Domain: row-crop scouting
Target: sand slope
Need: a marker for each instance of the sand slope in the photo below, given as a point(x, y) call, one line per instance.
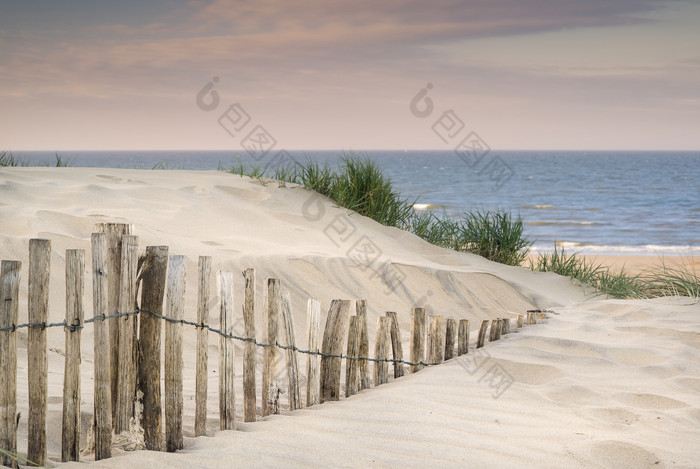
point(600, 384)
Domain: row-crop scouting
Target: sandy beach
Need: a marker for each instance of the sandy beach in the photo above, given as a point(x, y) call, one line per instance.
point(599, 383)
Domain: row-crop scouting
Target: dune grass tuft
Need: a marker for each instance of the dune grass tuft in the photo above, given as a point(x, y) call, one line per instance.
point(652, 283)
point(361, 186)
point(495, 235)
point(673, 281)
point(8, 159)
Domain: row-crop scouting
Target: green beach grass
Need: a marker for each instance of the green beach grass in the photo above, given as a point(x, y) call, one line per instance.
point(8, 159)
point(659, 281)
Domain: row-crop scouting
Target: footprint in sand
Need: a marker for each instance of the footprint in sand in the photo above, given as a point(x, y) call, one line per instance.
point(196, 190)
point(245, 194)
point(614, 415)
point(649, 401)
point(635, 357)
point(574, 394)
point(613, 453)
point(119, 180)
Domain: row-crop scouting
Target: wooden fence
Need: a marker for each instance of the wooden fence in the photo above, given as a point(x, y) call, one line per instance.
point(127, 346)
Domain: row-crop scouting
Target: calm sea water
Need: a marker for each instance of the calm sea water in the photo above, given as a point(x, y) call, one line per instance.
point(591, 202)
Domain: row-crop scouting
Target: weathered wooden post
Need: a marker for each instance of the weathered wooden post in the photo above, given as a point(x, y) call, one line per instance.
point(463, 337)
point(38, 295)
point(482, 333)
point(506, 326)
point(450, 336)
point(313, 364)
point(381, 351)
point(250, 354)
point(333, 336)
point(532, 317)
point(113, 261)
point(227, 371)
point(152, 294)
point(396, 347)
point(203, 291)
point(102, 378)
point(436, 339)
point(417, 338)
point(351, 366)
point(495, 332)
point(363, 365)
point(75, 266)
point(9, 308)
point(520, 321)
point(127, 300)
point(271, 365)
point(293, 389)
point(175, 305)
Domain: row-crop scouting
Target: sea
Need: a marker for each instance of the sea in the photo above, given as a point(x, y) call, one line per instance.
point(591, 202)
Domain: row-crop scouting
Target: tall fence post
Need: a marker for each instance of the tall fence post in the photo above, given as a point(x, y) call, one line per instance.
point(333, 337)
point(495, 331)
point(75, 266)
point(200, 399)
point(519, 322)
point(463, 337)
point(293, 389)
point(38, 296)
point(450, 336)
point(430, 339)
point(173, 353)
point(227, 371)
point(396, 344)
point(9, 308)
point(381, 351)
point(436, 339)
point(313, 363)
point(114, 233)
point(103, 395)
point(152, 294)
point(482, 333)
point(250, 353)
point(353, 350)
point(363, 365)
point(271, 365)
point(531, 317)
point(417, 338)
point(127, 300)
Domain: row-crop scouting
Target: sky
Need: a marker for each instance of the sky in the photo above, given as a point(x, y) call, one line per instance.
point(349, 75)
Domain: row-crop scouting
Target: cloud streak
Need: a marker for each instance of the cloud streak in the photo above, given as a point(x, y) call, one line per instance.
point(335, 54)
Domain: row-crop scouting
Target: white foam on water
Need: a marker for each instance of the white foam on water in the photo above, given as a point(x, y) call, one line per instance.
point(649, 249)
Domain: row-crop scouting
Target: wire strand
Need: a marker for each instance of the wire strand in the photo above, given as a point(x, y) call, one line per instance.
point(73, 328)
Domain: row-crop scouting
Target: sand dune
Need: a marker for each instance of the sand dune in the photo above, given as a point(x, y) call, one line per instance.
point(601, 383)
